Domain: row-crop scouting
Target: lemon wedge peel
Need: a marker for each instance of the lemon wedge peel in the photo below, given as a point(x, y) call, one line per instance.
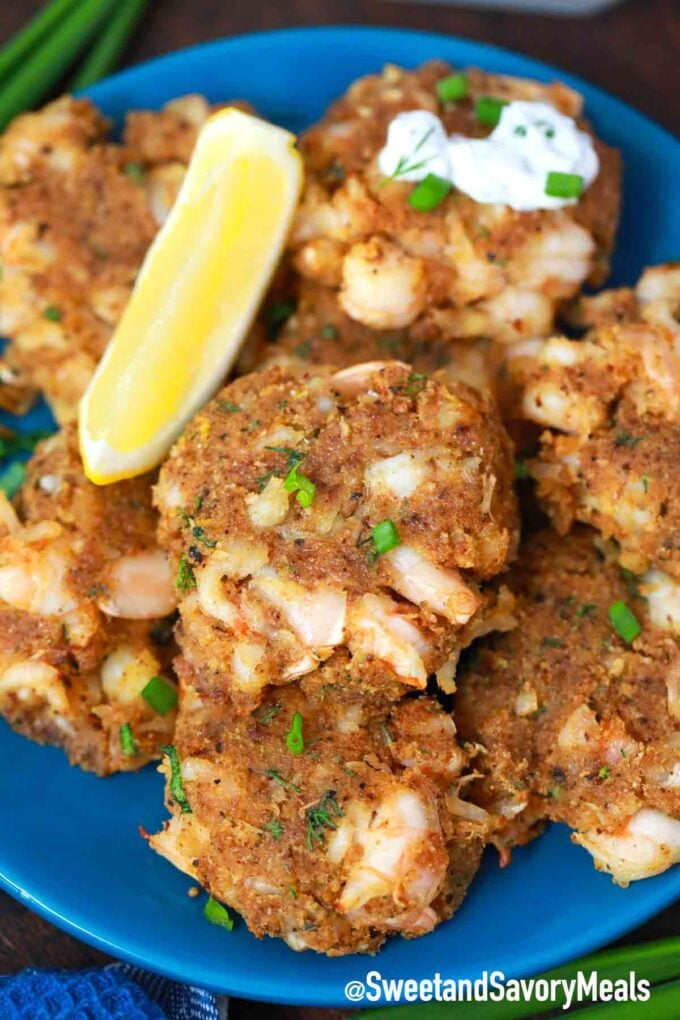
point(196, 295)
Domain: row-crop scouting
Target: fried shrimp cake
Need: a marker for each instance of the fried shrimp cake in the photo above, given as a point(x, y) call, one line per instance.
point(84, 593)
point(318, 332)
point(77, 214)
point(333, 840)
point(577, 712)
point(468, 269)
point(611, 404)
point(341, 517)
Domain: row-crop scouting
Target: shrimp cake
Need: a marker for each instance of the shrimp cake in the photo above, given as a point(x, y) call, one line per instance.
point(468, 269)
point(77, 214)
point(318, 332)
point(85, 595)
point(611, 407)
point(268, 504)
point(332, 843)
point(576, 716)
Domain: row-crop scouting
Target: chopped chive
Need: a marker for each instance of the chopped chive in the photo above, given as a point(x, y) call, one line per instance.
point(128, 744)
point(160, 695)
point(186, 578)
point(31, 37)
point(134, 170)
point(605, 772)
point(430, 193)
point(12, 478)
point(645, 483)
point(488, 110)
point(226, 405)
point(385, 537)
point(303, 487)
point(217, 914)
point(176, 781)
point(453, 88)
point(294, 738)
point(559, 185)
point(624, 622)
point(52, 313)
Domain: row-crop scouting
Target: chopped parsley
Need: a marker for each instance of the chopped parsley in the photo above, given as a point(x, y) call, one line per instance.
point(329, 331)
point(585, 610)
point(625, 439)
point(186, 579)
point(294, 739)
point(159, 695)
point(267, 714)
point(278, 778)
point(134, 170)
point(552, 642)
point(645, 483)
point(52, 313)
point(275, 828)
point(624, 622)
point(226, 405)
point(605, 772)
point(176, 780)
point(128, 744)
point(218, 914)
point(320, 816)
point(416, 384)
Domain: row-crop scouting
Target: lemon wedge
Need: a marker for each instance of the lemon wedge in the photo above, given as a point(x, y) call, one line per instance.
point(195, 297)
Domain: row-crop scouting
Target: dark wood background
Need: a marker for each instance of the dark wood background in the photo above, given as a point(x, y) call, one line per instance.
point(631, 51)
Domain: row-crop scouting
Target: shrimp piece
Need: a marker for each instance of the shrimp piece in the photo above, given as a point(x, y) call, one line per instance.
point(647, 845)
point(138, 587)
point(381, 285)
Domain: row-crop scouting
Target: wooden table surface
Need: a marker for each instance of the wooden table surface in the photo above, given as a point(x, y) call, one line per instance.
point(630, 51)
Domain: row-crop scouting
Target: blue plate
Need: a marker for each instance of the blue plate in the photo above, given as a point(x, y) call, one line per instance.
point(69, 844)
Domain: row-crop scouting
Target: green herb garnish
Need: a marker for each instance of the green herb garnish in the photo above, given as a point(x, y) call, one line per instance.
point(266, 714)
point(294, 738)
point(452, 88)
point(488, 110)
point(559, 185)
point(186, 579)
point(217, 914)
point(404, 166)
point(52, 313)
point(226, 405)
point(134, 171)
point(12, 478)
point(430, 193)
point(625, 439)
point(385, 537)
point(176, 780)
point(128, 744)
point(278, 778)
point(552, 642)
point(586, 609)
point(303, 487)
point(329, 331)
point(160, 695)
point(605, 772)
point(624, 622)
point(275, 828)
point(320, 817)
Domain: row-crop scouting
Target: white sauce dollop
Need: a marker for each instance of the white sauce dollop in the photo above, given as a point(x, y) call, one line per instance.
point(509, 167)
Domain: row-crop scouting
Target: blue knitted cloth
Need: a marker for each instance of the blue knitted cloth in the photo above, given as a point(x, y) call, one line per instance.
point(119, 992)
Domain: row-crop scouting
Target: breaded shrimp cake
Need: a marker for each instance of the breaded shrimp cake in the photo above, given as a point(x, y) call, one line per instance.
point(318, 332)
point(577, 712)
point(468, 269)
point(609, 457)
point(322, 823)
point(341, 517)
point(654, 299)
point(84, 593)
point(77, 214)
